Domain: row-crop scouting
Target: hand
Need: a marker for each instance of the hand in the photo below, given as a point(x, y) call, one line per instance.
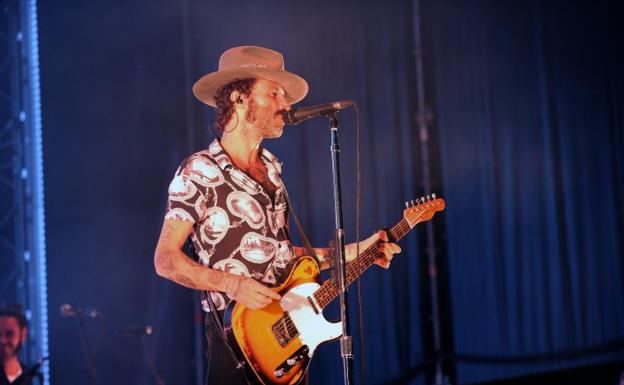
point(249, 292)
point(386, 249)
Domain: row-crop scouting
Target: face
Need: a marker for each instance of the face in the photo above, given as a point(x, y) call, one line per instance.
point(266, 103)
point(11, 337)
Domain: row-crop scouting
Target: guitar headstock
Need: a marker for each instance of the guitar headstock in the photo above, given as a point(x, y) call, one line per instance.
point(422, 209)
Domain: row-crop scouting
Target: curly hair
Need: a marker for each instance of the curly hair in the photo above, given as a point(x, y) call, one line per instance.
point(16, 312)
point(225, 107)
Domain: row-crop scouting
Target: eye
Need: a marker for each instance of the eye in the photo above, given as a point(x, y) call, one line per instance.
point(275, 92)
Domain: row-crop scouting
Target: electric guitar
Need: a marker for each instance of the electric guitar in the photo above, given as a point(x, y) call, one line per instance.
point(277, 342)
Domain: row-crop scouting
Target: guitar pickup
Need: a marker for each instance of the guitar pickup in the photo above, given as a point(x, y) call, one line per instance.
point(284, 330)
point(300, 355)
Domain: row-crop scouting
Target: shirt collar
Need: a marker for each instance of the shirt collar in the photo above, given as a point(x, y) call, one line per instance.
point(216, 151)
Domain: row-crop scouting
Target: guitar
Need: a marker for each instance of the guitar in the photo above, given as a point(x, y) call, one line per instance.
point(277, 342)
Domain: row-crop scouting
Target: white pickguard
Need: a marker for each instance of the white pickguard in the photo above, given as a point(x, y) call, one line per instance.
point(313, 328)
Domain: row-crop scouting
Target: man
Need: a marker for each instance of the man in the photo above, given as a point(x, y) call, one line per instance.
point(231, 200)
point(13, 333)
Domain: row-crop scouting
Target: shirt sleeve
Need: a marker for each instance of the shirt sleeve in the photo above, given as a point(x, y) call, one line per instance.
point(189, 189)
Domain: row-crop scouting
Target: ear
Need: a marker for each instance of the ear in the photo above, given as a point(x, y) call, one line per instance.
point(23, 335)
point(237, 98)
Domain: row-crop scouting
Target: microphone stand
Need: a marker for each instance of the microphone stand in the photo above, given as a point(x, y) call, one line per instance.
point(87, 350)
point(150, 360)
point(346, 341)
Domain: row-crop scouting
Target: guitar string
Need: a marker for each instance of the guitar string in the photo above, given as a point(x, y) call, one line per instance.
point(326, 292)
point(285, 326)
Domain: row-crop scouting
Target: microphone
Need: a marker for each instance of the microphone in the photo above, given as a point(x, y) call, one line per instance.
point(69, 311)
point(139, 331)
point(298, 115)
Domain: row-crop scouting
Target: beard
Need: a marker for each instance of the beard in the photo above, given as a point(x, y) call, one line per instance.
point(268, 123)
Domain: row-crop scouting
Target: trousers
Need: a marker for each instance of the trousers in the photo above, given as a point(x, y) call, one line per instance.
point(220, 365)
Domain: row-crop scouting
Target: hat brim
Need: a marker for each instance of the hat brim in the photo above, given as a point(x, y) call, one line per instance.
point(207, 86)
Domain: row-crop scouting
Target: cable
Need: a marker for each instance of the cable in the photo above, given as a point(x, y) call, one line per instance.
point(358, 197)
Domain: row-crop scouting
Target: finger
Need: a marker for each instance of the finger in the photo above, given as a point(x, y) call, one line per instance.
point(251, 303)
point(266, 299)
point(382, 235)
point(261, 300)
point(265, 291)
point(392, 248)
point(274, 295)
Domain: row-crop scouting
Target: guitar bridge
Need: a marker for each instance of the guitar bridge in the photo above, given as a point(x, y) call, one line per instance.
point(300, 355)
point(284, 330)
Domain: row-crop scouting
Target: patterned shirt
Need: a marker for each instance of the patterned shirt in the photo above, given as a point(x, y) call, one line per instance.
point(238, 226)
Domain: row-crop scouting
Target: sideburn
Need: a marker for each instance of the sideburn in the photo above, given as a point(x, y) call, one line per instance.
point(251, 114)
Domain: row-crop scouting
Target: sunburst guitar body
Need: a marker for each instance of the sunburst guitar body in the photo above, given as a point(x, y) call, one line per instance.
point(277, 342)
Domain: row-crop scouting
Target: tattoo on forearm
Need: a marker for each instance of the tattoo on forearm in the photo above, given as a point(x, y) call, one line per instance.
point(184, 280)
point(214, 277)
point(163, 260)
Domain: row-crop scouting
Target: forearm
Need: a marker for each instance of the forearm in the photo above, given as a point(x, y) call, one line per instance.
point(324, 254)
point(178, 267)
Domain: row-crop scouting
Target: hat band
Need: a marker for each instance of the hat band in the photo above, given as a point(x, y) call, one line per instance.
point(254, 65)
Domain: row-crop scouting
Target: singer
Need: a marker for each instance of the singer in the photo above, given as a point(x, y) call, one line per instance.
point(13, 334)
point(231, 200)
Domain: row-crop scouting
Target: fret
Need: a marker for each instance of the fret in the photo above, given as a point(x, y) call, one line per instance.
point(329, 289)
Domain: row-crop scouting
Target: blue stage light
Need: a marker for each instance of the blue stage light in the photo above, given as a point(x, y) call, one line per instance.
point(38, 189)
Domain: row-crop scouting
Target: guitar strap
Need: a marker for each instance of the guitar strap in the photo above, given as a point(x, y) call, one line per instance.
point(302, 234)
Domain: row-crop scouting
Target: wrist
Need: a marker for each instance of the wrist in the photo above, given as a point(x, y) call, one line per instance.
point(231, 283)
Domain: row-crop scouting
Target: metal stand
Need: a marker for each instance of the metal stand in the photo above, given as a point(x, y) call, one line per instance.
point(22, 219)
point(424, 118)
point(87, 351)
point(149, 355)
point(346, 341)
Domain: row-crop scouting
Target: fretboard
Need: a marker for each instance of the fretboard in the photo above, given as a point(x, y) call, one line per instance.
point(329, 289)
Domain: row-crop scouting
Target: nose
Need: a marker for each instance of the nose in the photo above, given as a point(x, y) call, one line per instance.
point(283, 103)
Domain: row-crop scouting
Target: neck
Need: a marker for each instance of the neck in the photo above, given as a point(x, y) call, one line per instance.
point(242, 145)
point(12, 366)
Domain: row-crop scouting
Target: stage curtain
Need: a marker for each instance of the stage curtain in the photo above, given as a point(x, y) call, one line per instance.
point(529, 108)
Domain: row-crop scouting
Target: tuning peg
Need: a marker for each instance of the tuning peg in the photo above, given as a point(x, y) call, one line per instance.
point(428, 198)
point(406, 204)
point(433, 196)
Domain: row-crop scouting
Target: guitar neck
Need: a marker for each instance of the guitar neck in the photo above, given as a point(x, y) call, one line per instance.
point(329, 289)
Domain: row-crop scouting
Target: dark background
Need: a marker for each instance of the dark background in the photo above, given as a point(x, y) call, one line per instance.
point(526, 147)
